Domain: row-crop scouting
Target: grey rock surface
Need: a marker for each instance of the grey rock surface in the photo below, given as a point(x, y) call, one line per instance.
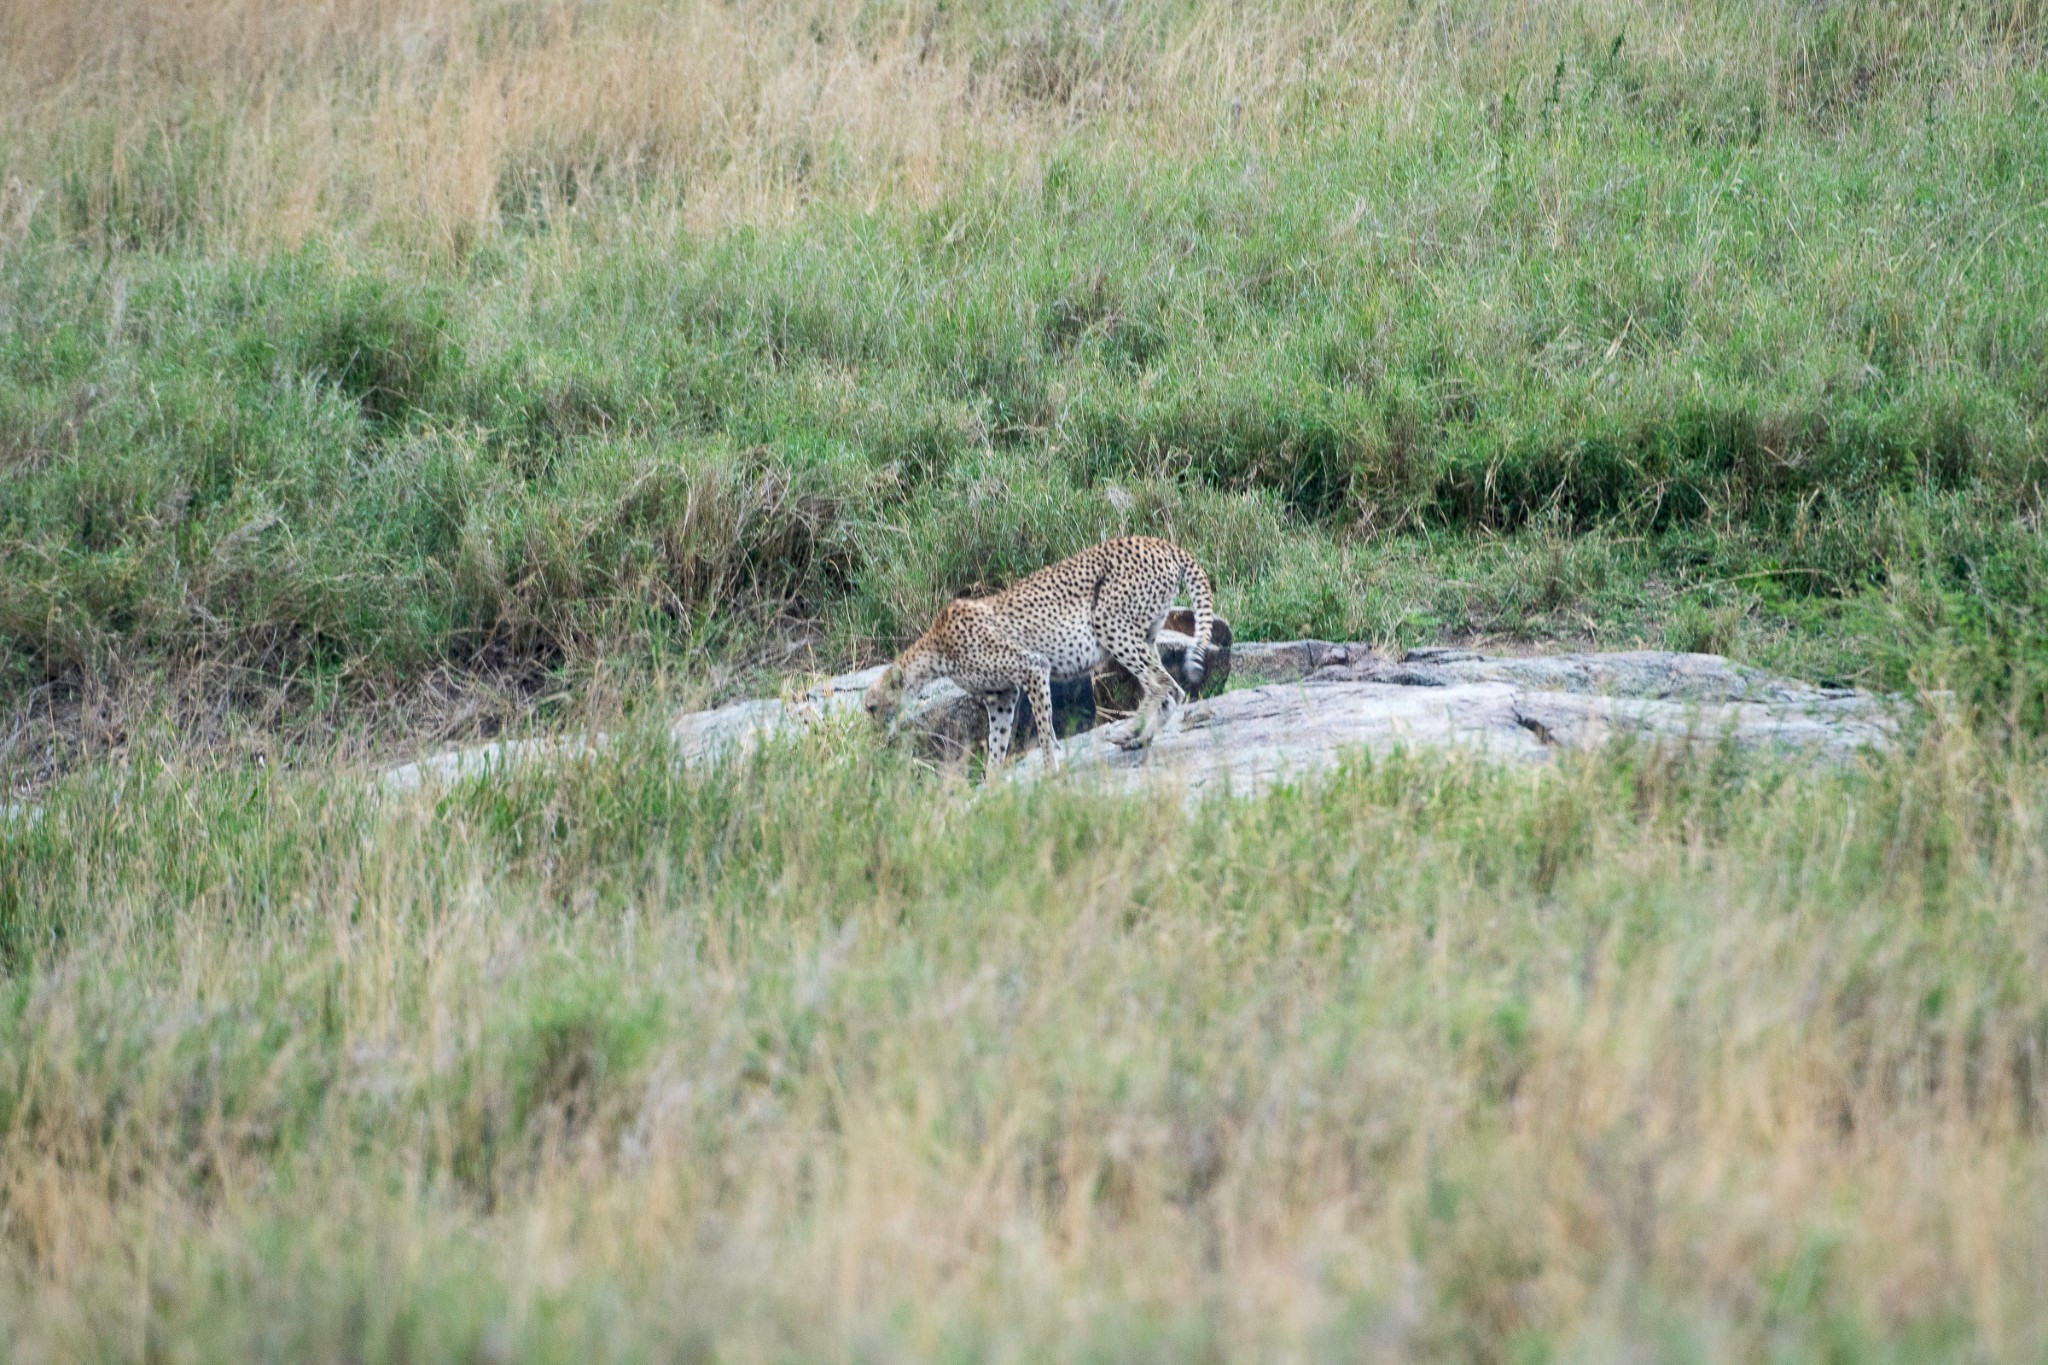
point(1299, 706)
point(484, 760)
point(1247, 739)
point(1638, 673)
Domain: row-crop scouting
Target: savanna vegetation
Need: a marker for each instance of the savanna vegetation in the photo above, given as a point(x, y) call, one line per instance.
point(382, 372)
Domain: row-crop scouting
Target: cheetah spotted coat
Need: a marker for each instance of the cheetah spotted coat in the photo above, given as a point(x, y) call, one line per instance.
point(1065, 621)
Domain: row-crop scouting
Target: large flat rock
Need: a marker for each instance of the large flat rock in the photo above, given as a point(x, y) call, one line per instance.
point(1245, 740)
point(1310, 702)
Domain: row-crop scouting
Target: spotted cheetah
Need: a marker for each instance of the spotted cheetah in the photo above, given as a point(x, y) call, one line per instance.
point(1064, 621)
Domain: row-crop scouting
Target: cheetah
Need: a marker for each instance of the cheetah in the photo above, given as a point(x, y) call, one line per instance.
point(1064, 621)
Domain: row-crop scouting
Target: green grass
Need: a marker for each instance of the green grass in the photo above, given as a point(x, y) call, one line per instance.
point(1732, 374)
point(373, 376)
point(822, 1057)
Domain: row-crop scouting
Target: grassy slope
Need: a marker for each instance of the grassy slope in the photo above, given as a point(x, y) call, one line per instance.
point(1671, 347)
point(358, 360)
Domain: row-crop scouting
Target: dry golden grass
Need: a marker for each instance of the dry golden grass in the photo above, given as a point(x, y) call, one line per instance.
point(818, 1061)
point(262, 123)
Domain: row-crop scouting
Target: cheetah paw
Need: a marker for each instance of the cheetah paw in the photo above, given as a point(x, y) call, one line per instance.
point(1126, 734)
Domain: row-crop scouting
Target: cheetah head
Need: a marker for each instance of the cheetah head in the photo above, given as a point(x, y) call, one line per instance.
point(884, 700)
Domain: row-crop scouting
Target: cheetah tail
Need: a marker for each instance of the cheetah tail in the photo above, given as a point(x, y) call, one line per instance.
point(1197, 584)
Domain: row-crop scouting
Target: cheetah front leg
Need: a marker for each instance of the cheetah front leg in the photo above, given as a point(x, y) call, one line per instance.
point(1040, 688)
point(1002, 722)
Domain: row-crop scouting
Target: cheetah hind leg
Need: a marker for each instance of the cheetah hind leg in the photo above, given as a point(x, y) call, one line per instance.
point(1141, 658)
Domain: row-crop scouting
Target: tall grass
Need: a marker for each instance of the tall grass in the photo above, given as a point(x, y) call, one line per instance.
point(817, 1058)
point(349, 346)
point(267, 124)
